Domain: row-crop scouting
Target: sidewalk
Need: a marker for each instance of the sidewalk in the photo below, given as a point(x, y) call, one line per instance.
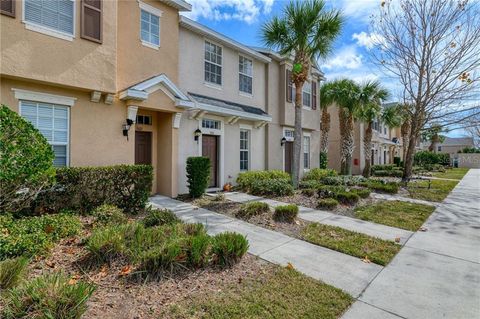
point(327, 218)
point(437, 272)
point(348, 273)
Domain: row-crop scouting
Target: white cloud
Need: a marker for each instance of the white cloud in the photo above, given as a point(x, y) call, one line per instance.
point(346, 58)
point(222, 10)
point(360, 9)
point(368, 40)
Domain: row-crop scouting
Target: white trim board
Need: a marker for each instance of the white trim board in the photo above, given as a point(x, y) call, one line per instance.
point(43, 97)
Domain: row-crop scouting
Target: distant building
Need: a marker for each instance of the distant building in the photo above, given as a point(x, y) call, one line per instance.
point(451, 145)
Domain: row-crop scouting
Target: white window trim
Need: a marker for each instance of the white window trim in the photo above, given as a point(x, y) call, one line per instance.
point(67, 152)
point(43, 97)
point(32, 26)
point(309, 151)
point(157, 12)
point(249, 142)
point(240, 92)
point(210, 84)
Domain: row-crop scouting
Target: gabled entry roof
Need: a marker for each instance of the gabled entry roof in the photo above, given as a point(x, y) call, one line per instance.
point(228, 108)
point(141, 90)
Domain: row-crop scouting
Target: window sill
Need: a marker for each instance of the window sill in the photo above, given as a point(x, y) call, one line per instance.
point(245, 94)
point(213, 86)
point(150, 45)
point(308, 108)
point(47, 31)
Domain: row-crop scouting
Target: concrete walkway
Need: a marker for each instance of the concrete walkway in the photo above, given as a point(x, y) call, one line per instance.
point(437, 273)
point(348, 273)
point(327, 218)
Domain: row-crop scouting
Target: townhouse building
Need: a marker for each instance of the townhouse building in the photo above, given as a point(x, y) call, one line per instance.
point(150, 88)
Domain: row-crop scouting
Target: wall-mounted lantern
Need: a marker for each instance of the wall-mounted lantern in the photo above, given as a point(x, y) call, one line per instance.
point(197, 134)
point(283, 141)
point(131, 117)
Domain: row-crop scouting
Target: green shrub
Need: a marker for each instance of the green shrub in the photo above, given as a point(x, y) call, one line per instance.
point(109, 215)
point(347, 198)
point(229, 248)
point(328, 191)
point(309, 192)
point(323, 160)
point(286, 213)
point(108, 243)
point(317, 174)
point(48, 296)
point(272, 187)
point(246, 179)
point(26, 162)
point(198, 175)
point(327, 203)
point(252, 209)
point(389, 173)
point(423, 158)
point(343, 180)
point(434, 168)
point(85, 188)
point(158, 217)
point(397, 161)
point(12, 272)
point(363, 193)
point(384, 167)
point(311, 184)
point(382, 187)
point(32, 236)
point(469, 150)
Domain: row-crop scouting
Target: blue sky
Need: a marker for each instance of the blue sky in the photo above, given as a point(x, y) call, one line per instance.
point(242, 21)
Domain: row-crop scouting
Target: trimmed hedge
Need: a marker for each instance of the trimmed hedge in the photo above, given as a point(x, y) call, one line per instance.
point(317, 174)
point(286, 213)
point(198, 175)
point(85, 188)
point(423, 158)
point(246, 179)
point(272, 187)
point(388, 173)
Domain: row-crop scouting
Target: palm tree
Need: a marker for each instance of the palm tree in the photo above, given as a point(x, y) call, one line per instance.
point(403, 112)
point(345, 94)
point(306, 31)
point(325, 121)
point(372, 94)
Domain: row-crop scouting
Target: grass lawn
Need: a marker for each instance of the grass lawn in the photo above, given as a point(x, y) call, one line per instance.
point(283, 293)
point(352, 243)
point(438, 190)
point(453, 173)
point(398, 214)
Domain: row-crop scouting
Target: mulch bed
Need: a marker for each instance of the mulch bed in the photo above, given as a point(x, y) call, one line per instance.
point(118, 296)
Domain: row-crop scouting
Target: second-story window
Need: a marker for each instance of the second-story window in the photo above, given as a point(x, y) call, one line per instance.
point(307, 94)
point(57, 15)
point(150, 28)
point(213, 63)
point(245, 67)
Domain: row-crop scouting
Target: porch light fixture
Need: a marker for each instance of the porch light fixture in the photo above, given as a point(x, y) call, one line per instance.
point(197, 134)
point(131, 117)
point(283, 141)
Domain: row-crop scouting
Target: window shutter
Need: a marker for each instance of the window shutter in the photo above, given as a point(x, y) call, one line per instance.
point(91, 18)
point(8, 8)
point(289, 85)
point(314, 95)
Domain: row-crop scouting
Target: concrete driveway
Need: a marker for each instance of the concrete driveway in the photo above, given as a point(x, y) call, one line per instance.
point(437, 273)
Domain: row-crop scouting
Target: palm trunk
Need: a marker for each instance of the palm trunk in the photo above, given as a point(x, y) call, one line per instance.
point(367, 149)
point(297, 142)
point(325, 129)
point(347, 142)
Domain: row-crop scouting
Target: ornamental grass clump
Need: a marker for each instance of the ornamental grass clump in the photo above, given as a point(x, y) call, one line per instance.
point(249, 210)
point(12, 271)
point(347, 198)
point(327, 203)
point(362, 192)
point(48, 296)
point(286, 213)
point(309, 192)
point(228, 248)
point(109, 215)
point(159, 217)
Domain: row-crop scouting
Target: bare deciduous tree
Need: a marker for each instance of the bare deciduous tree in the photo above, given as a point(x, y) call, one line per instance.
point(432, 47)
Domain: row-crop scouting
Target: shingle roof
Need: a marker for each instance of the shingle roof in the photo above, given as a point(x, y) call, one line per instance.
point(227, 104)
point(457, 141)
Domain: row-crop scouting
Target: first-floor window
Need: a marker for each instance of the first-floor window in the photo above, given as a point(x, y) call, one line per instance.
point(244, 149)
point(306, 152)
point(52, 121)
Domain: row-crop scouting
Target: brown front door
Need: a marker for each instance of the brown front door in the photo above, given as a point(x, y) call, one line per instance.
point(143, 148)
point(210, 150)
point(289, 157)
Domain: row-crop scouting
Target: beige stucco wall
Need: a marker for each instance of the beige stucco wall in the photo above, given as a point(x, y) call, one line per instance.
point(192, 77)
point(95, 128)
point(452, 149)
point(137, 62)
point(79, 63)
point(467, 160)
